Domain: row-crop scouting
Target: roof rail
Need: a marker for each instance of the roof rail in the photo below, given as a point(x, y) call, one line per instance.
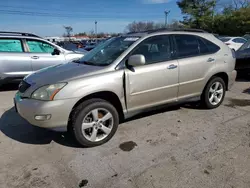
point(139, 32)
point(18, 34)
point(170, 29)
point(179, 29)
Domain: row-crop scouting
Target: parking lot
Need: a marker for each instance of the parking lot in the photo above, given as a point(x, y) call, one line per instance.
point(180, 146)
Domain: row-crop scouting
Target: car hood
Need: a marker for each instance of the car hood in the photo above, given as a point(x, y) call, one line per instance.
point(76, 51)
point(70, 55)
point(62, 73)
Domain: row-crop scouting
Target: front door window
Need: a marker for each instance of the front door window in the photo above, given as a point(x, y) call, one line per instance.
point(36, 46)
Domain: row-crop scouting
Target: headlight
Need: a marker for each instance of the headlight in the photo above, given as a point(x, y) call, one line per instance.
point(47, 93)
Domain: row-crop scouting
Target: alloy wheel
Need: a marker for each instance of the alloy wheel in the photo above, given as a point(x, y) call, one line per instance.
point(97, 124)
point(216, 92)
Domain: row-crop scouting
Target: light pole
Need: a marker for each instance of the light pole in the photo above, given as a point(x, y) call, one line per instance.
point(96, 29)
point(166, 12)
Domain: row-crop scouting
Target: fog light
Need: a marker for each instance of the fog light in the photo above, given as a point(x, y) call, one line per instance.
point(42, 117)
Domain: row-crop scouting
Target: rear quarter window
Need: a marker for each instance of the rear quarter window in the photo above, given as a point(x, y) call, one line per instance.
point(213, 48)
point(11, 45)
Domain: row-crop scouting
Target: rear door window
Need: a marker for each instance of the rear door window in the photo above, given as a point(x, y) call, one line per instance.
point(11, 45)
point(187, 46)
point(203, 47)
point(36, 46)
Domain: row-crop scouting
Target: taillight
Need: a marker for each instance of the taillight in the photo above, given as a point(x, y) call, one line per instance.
point(233, 53)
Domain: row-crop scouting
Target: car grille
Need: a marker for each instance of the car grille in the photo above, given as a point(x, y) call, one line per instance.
point(23, 86)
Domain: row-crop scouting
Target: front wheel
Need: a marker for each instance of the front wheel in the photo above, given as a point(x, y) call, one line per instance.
point(94, 122)
point(214, 93)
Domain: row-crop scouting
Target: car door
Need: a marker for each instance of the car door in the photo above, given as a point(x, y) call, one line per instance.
point(14, 62)
point(156, 82)
point(196, 57)
point(41, 54)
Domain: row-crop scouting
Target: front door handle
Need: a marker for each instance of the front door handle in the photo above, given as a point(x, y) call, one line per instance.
point(172, 66)
point(210, 59)
point(34, 57)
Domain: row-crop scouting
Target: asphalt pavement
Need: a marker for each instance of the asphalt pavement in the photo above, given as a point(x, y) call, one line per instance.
point(181, 146)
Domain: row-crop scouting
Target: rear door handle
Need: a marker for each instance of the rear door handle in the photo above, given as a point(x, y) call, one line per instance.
point(172, 66)
point(34, 57)
point(210, 60)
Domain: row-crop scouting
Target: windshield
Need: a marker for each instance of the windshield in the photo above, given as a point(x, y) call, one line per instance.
point(107, 52)
point(225, 39)
point(245, 46)
point(247, 36)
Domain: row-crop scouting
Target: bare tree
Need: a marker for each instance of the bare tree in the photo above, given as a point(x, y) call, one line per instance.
point(240, 4)
point(159, 25)
point(68, 31)
point(175, 24)
point(139, 26)
point(92, 33)
point(143, 26)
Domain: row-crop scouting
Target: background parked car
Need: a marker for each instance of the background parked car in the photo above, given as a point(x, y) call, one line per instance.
point(243, 59)
point(247, 36)
point(90, 47)
point(233, 42)
point(24, 53)
point(75, 47)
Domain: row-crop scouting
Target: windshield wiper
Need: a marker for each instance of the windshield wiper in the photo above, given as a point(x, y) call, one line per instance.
point(95, 64)
point(76, 61)
point(90, 63)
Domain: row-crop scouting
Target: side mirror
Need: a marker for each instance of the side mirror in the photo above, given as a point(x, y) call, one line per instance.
point(56, 52)
point(136, 60)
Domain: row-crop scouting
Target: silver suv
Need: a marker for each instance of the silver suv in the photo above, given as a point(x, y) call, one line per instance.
point(24, 53)
point(124, 76)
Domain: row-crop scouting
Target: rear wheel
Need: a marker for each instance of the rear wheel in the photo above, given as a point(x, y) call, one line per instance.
point(214, 93)
point(94, 122)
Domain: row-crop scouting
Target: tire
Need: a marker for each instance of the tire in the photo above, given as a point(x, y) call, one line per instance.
point(206, 95)
point(85, 110)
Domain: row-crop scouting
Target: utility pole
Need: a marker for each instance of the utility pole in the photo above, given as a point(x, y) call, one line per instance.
point(166, 12)
point(213, 15)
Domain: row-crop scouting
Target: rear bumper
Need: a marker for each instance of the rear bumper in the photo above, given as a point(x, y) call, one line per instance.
point(231, 78)
point(58, 112)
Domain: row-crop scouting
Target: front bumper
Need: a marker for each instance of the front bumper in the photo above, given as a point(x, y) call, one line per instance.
point(58, 110)
point(231, 78)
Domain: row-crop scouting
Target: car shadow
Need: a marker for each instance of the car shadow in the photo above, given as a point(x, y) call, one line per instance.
point(15, 127)
point(247, 91)
point(242, 78)
point(167, 108)
point(153, 112)
point(9, 87)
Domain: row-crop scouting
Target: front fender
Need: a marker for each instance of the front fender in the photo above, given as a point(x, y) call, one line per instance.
point(110, 81)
